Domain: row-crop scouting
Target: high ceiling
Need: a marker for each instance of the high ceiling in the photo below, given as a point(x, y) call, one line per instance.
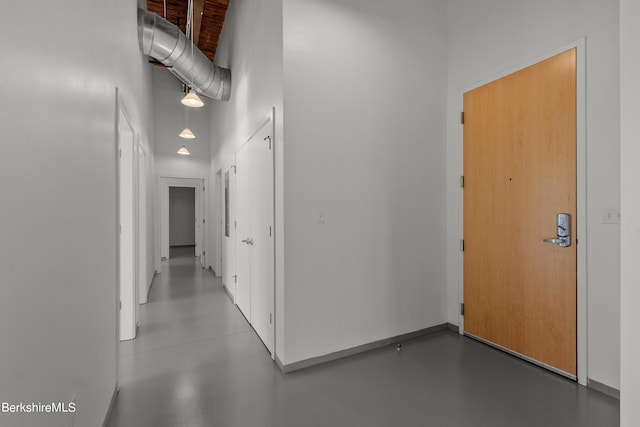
point(208, 17)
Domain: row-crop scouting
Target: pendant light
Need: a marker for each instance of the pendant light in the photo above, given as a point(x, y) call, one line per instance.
point(191, 99)
point(186, 132)
point(183, 151)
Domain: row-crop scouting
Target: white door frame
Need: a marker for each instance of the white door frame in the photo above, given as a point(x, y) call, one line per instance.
point(218, 227)
point(581, 171)
point(228, 245)
point(126, 224)
point(143, 254)
point(200, 185)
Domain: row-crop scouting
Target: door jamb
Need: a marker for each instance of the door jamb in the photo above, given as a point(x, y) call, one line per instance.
point(163, 208)
point(581, 194)
point(122, 124)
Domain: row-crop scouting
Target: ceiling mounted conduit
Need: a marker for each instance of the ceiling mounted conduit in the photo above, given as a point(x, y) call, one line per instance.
point(165, 42)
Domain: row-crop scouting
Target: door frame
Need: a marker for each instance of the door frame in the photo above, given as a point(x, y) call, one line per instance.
point(200, 185)
point(129, 309)
point(142, 250)
point(581, 193)
point(218, 233)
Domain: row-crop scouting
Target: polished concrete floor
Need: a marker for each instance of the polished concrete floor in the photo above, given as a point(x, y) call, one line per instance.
point(197, 363)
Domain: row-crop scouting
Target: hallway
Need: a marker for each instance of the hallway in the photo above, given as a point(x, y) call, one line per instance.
point(197, 363)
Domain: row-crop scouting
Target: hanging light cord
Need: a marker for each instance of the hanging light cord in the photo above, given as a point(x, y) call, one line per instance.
point(191, 32)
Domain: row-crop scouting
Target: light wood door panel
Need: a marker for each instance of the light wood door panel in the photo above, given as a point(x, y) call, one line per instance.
point(520, 172)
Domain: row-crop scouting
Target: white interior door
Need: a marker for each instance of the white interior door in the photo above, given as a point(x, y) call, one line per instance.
point(218, 225)
point(262, 248)
point(255, 233)
point(197, 222)
point(126, 215)
point(243, 231)
point(202, 224)
point(228, 260)
point(142, 226)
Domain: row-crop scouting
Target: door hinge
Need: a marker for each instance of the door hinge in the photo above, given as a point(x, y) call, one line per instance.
point(235, 224)
point(462, 309)
point(461, 181)
point(120, 152)
point(462, 117)
point(269, 231)
point(270, 318)
point(120, 306)
point(203, 189)
point(234, 168)
point(203, 221)
point(235, 279)
point(461, 245)
point(204, 253)
point(269, 139)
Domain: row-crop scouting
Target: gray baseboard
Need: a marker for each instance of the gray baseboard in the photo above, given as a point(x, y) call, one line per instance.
point(358, 349)
point(110, 408)
point(603, 388)
point(228, 292)
point(454, 328)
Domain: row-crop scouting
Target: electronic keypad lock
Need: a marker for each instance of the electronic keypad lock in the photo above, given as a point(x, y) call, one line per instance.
point(563, 231)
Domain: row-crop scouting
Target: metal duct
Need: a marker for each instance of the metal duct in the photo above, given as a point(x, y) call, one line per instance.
point(164, 41)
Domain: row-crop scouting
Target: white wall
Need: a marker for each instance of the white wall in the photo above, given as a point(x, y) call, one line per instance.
point(58, 215)
point(630, 176)
point(182, 213)
point(490, 36)
point(251, 45)
point(364, 137)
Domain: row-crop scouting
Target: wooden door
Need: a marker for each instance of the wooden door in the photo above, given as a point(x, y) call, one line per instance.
point(519, 173)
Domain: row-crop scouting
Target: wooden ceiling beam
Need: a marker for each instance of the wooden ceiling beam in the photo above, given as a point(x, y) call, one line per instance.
point(208, 19)
point(198, 11)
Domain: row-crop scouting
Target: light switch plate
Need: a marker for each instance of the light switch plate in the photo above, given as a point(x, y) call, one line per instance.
point(611, 215)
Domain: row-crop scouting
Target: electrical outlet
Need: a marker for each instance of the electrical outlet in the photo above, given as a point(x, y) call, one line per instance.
point(611, 215)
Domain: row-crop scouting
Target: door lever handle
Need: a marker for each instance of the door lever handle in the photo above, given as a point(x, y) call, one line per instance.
point(563, 227)
point(555, 241)
point(248, 241)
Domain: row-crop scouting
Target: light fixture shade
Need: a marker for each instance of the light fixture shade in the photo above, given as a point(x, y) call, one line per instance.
point(191, 99)
point(183, 151)
point(187, 134)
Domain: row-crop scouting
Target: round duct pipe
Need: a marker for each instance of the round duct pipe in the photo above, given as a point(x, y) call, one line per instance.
point(165, 42)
